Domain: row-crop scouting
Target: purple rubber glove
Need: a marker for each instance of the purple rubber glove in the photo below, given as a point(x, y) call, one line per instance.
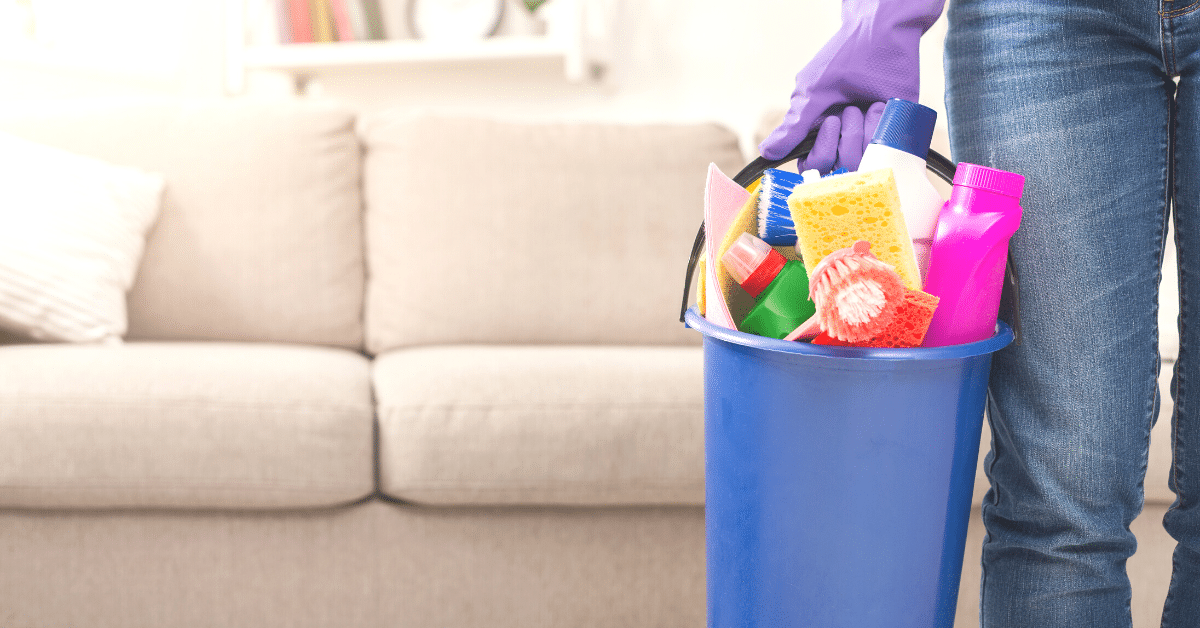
point(842, 139)
point(874, 56)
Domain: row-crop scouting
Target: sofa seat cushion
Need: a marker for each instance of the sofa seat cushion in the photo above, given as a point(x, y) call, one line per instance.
point(184, 425)
point(567, 425)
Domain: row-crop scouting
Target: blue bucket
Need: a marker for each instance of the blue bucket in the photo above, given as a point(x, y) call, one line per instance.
point(838, 479)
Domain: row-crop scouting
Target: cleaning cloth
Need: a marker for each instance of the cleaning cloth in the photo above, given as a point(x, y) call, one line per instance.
point(723, 200)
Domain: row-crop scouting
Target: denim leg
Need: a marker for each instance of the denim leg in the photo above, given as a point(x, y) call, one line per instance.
point(1072, 94)
point(1181, 28)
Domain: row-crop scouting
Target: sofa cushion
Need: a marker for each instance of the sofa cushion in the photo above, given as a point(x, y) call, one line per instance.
point(184, 425)
point(260, 235)
point(542, 425)
point(493, 232)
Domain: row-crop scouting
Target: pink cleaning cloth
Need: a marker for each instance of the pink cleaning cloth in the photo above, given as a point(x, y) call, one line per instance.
point(723, 199)
point(856, 295)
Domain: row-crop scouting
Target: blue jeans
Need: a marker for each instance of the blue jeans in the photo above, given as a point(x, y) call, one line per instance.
point(1078, 96)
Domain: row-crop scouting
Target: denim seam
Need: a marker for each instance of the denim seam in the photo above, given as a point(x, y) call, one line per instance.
point(1174, 55)
point(1155, 397)
point(983, 572)
point(1155, 402)
point(1180, 378)
point(1178, 12)
point(985, 506)
point(1169, 59)
point(1178, 375)
point(1169, 603)
point(1180, 388)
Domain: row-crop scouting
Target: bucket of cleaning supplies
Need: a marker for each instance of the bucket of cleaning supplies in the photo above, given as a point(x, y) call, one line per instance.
point(838, 479)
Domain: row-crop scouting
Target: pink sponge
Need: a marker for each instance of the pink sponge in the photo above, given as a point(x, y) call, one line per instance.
point(856, 294)
point(911, 322)
point(907, 329)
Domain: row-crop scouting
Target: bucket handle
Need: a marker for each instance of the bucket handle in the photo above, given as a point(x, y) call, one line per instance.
point(1010, 298)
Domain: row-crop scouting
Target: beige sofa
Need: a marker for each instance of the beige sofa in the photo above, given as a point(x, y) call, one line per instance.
point(391, 371)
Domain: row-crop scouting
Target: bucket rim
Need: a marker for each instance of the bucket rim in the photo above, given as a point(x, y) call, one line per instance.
point(999, 340)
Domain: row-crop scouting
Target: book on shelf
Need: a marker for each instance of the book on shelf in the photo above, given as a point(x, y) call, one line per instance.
point(300, 21)
point(372, 18)
point(306, 21)
point(283, 25)
point(321, 12)
point(342, 26)
point(358, 20)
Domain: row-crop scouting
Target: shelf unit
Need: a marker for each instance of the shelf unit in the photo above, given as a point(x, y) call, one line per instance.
point(566, 38)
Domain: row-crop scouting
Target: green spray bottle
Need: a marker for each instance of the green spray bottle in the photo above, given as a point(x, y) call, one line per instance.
point(779, 286)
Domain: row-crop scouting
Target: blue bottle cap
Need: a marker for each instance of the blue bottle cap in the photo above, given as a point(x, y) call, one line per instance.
point(906, 126)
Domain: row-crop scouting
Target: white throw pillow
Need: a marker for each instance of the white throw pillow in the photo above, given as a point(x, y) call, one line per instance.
point(72, 232)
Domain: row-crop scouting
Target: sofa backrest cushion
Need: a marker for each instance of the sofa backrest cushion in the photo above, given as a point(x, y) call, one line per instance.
point(260, 235)
point(481, 231)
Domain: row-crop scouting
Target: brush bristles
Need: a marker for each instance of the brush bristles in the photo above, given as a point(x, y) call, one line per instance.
point(774, 217)
point(856, 297)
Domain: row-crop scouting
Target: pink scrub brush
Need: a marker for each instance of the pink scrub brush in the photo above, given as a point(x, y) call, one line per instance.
point(907, 328)
point(855, 294)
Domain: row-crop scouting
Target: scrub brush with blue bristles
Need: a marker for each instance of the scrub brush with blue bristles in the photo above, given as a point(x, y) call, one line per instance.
point(775, 225)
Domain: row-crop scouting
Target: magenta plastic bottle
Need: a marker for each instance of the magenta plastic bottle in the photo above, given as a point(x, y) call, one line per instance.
point(970, 248)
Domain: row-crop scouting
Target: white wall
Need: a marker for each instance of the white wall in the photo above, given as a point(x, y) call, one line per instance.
point(673, 60)
point(113, 49)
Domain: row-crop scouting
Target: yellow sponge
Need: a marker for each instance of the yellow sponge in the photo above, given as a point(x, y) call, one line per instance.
point(835, 212)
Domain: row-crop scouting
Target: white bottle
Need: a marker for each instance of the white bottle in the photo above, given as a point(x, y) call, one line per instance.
point(901, 142)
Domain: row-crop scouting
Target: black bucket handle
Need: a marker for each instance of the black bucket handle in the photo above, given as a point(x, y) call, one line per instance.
point(939, 165)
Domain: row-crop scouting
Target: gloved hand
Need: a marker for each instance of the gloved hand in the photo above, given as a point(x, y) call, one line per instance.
point(842, 139)
point(874, 56)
